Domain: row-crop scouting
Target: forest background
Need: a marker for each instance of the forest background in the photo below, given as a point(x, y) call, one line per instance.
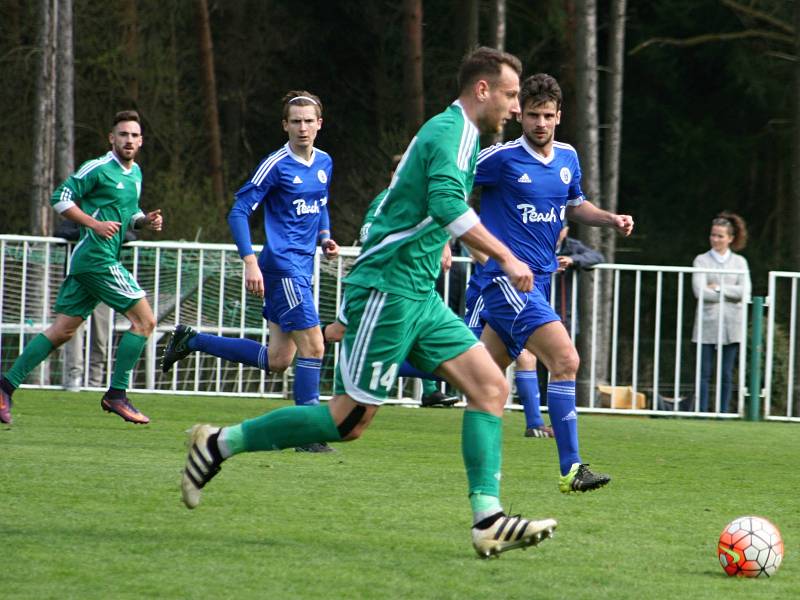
point(708, 113)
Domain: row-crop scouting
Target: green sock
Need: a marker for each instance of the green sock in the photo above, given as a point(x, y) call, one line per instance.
point(34, 353)
point(128, 352)
point(428, 387)
point(484, 505)
point(285, 428)
point(481, 446)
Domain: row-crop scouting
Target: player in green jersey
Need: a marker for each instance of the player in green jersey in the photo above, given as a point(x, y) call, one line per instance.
point(102, 196)
point(393, 312)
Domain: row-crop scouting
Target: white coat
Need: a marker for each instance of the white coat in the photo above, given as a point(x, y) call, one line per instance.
point(735, 288)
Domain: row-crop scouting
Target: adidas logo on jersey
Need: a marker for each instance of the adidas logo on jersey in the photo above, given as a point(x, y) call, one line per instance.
point(120, 186)
point(524, 178)
point(297, 179)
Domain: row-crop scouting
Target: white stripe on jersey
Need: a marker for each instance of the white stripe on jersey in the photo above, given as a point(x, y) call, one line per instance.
point(64, 201)
point(467, 145)
point(564, 146)
point(266, 166)
point(395, 237)
point(92, 164)
point(491, 150)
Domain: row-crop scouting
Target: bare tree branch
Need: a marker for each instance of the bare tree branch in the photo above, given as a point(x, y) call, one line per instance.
point(714, 37)
point(760, 15)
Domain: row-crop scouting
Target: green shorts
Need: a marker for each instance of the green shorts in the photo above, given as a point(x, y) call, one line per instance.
point(383, 330)
point(114, 285)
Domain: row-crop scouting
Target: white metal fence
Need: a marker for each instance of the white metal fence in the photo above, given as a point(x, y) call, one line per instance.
point(650, 363)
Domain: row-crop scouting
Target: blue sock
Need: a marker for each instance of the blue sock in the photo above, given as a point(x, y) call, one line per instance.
point(564, 419)
point(409, 370)
point(241, 350)
point(528, 392)
point(306, 381)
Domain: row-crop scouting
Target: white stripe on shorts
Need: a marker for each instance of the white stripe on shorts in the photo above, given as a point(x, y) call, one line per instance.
point(510, 293)
point(475, 315)
point(372, 312)
point(290, 292)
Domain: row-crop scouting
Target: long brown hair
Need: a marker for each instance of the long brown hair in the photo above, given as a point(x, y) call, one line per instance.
point(736, 226)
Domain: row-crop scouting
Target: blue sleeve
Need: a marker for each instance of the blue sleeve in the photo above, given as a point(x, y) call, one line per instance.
point(487, 171)
point(247, 200)
point(324, 224)
point(575, 192)
point(324, 231)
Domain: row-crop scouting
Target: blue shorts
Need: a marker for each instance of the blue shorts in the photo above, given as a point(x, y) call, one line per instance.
point(473, 307)
point(515, 315)
point(289, 302)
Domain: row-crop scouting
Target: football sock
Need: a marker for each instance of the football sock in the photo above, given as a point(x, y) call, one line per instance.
point(128, 352)
point(230, 440)
point(485, 510)
point(241, 350)
point(528, 391)
point(306, 381)
point(287, 427)
point(409, 370)
point(34, 353)
point(481, 447)
point(428, 387)
point(564, 420)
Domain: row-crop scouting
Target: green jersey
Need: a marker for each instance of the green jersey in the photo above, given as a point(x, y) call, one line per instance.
point(425, 204)
point(108, 192)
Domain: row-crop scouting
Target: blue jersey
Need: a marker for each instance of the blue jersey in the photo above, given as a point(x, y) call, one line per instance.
point(295, 196)
point(524, 199)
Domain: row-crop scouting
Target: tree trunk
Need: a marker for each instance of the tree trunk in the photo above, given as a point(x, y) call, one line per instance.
point(130, 47)
point(210, 97)
point(611, 150)
point(412, 66)
point(795, 198)
point(469, 10)
point(499, 42)
point(588, 146)
point(613, 117)
point(43, 132)
point(65, 96)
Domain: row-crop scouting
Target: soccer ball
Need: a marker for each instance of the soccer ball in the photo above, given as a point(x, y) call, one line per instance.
point(750, 547)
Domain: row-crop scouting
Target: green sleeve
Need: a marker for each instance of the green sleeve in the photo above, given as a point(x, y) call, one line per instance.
point(447, 184)
point(72, 190)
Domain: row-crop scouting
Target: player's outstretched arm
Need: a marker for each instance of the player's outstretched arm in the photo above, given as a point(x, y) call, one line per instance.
point(588, 214)
point(479, 238)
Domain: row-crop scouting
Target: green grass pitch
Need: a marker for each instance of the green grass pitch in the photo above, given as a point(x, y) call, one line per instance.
point(90, 508)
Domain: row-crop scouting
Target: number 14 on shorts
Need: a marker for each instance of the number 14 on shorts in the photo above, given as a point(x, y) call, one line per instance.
point(386, 380)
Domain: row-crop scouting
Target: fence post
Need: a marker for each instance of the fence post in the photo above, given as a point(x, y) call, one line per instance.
point(754, 403)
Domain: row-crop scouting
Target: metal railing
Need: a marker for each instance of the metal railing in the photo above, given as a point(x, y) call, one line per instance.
point(649, 362)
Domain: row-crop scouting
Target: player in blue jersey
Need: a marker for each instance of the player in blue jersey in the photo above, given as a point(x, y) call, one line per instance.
point(526, 377)
point(530, 186)
point(293, 184)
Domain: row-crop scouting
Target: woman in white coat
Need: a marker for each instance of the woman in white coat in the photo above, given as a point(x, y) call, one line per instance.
point(732, 292)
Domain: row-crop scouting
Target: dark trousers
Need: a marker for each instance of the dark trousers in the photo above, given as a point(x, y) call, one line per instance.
point(708, 366)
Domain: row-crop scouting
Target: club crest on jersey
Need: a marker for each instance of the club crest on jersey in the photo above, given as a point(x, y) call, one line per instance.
point(566, 176)
point(302, 208)
point(531, 215)
point(323, 178)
